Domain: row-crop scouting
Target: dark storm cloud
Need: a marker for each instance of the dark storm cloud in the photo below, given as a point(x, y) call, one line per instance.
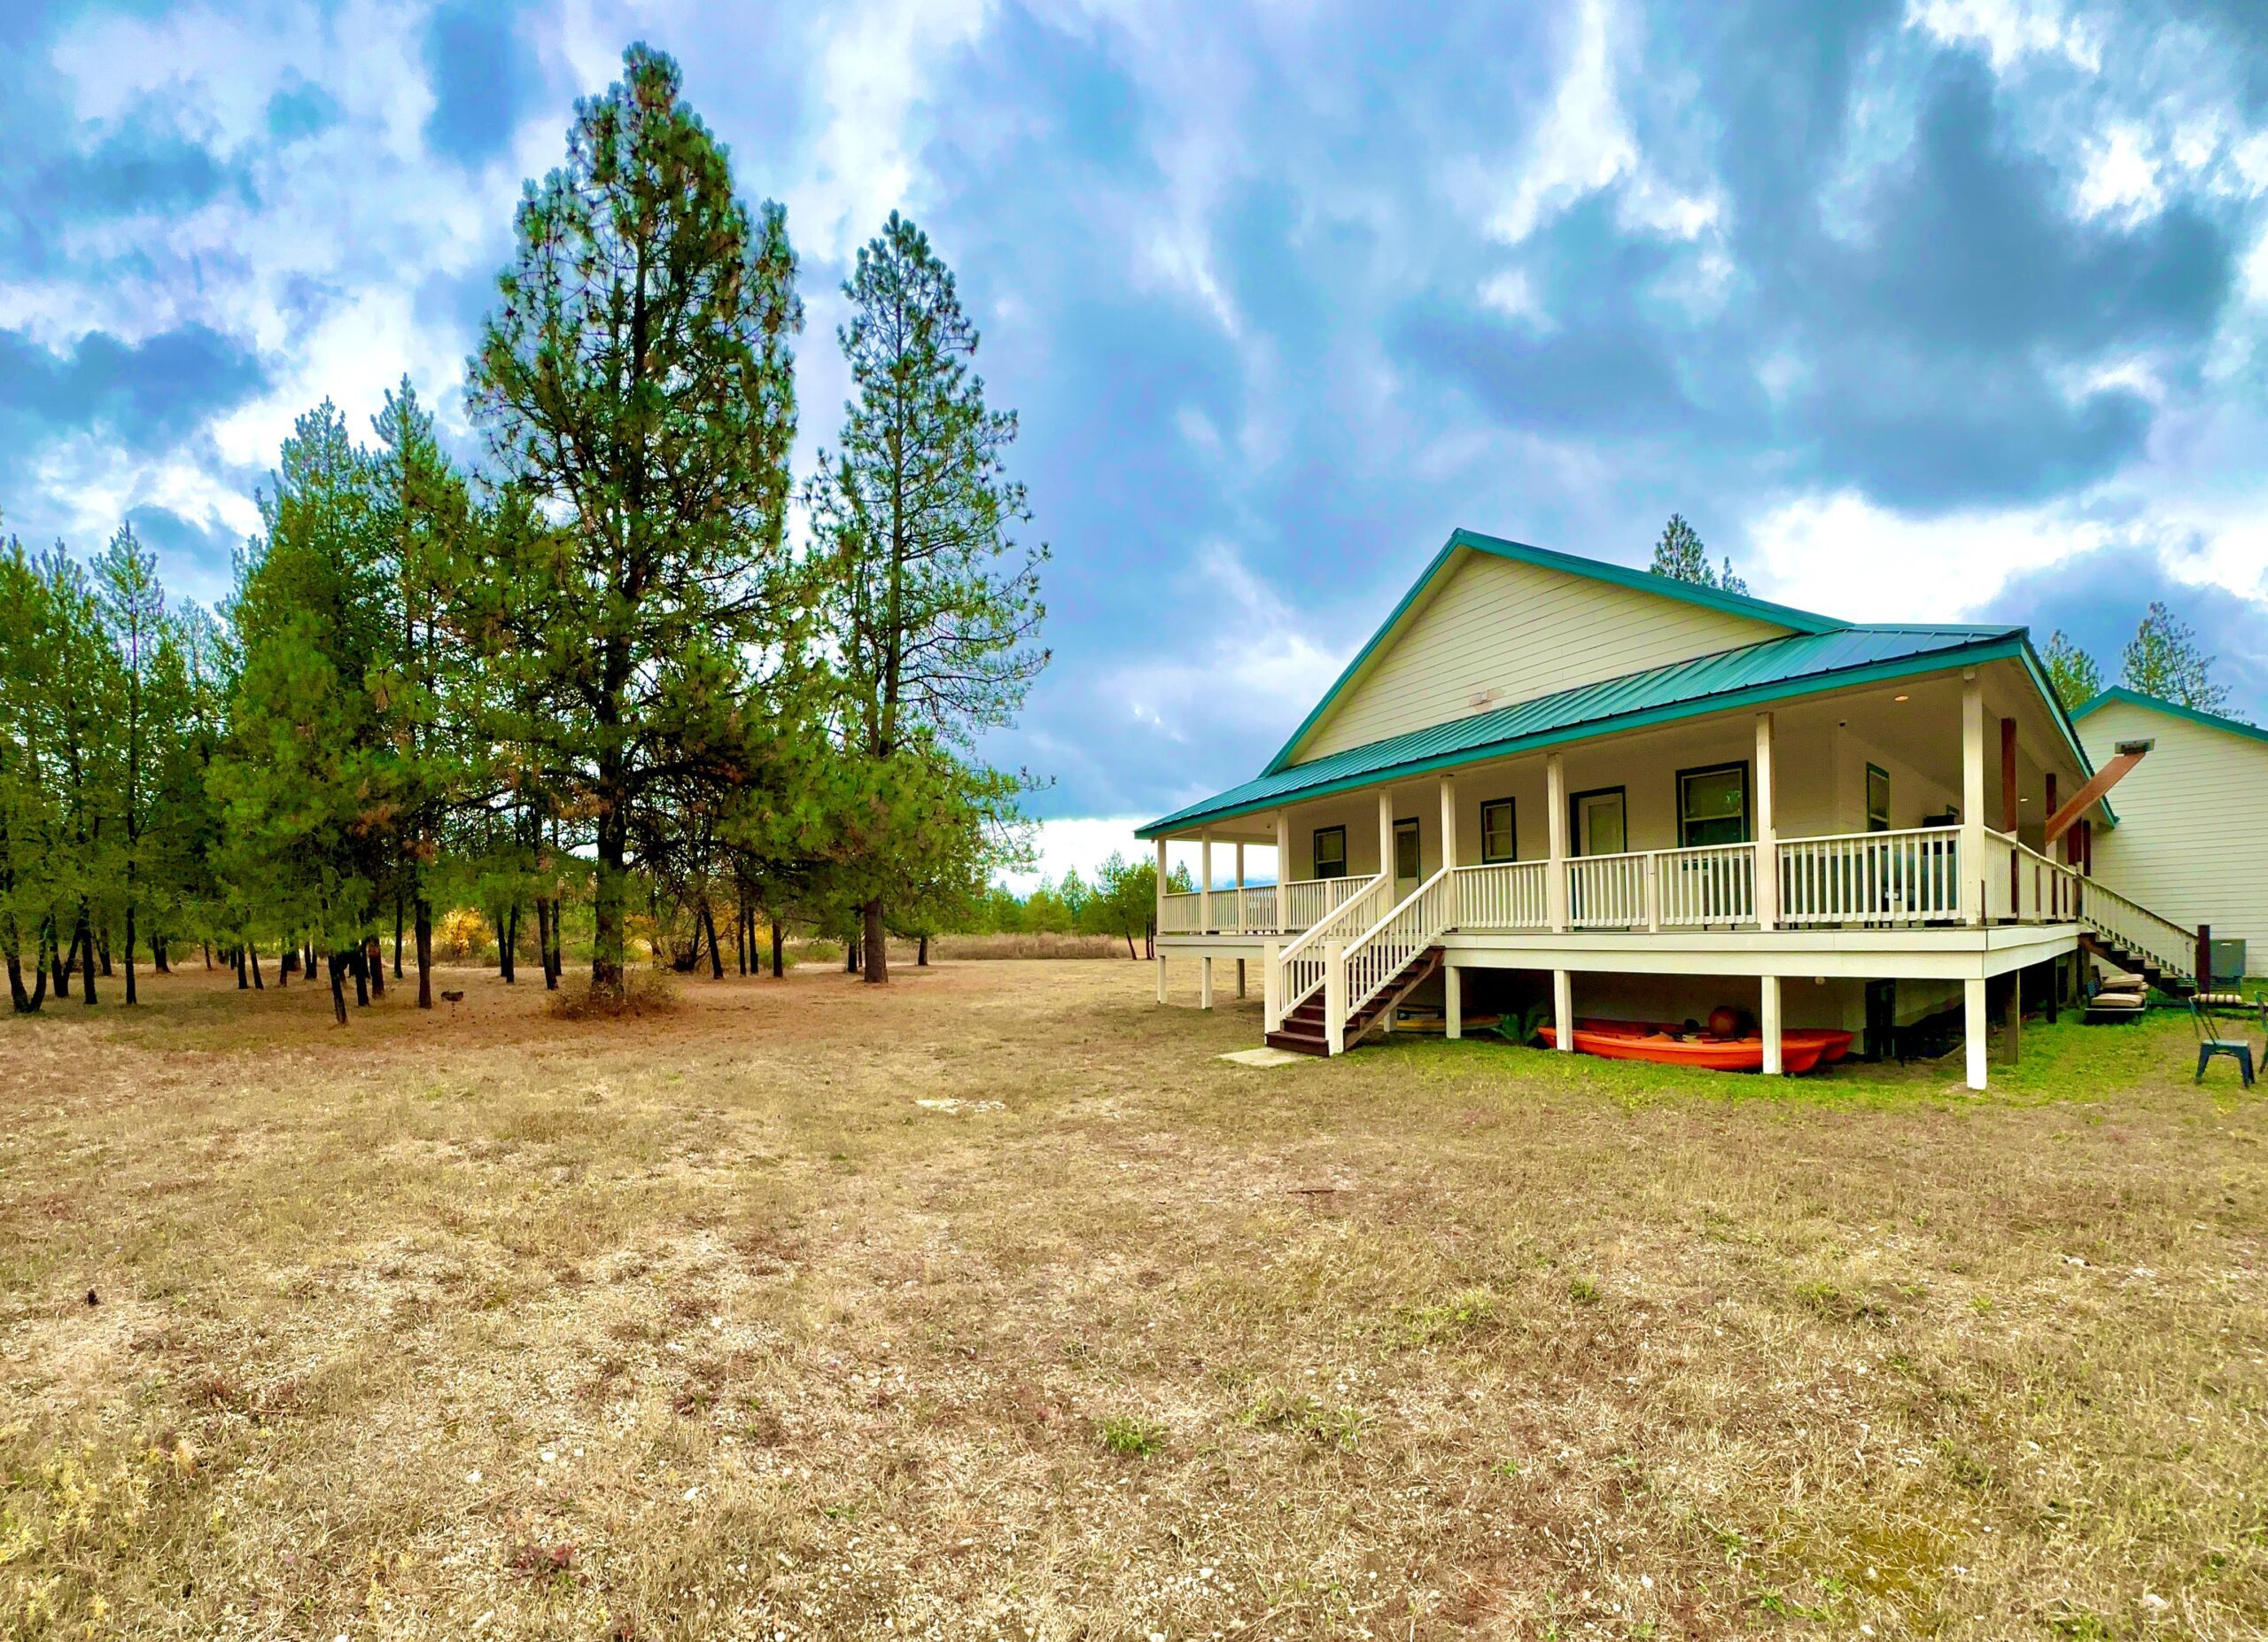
point(482, 77)
point(145, 395)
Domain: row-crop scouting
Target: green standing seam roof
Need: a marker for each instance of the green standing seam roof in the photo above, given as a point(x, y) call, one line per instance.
point(2172, 709)
point(1770, 670)
point(1573, 564)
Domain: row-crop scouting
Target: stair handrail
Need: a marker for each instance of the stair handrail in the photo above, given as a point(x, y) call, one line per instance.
point(1299, 968)
point(2172, 949)
point(1373, 958)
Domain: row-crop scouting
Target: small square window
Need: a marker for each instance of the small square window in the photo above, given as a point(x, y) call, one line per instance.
point(1499, 841)
point(1330, 851)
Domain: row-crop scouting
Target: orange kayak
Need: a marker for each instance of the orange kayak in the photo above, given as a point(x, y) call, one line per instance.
point(1801, 1048)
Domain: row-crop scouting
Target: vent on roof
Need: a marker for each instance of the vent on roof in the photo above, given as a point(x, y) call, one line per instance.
point(1481, 698)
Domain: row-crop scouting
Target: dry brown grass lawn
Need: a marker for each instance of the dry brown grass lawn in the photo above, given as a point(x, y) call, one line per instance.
point(997, 1306)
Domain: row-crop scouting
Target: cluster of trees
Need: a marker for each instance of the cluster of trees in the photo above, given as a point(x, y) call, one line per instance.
point(2162, 659)
point(588, 679)
point(1680, 555)
point(1121, 901)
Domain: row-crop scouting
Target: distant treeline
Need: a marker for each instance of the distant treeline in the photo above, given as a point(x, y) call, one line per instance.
point(589, 678)
point(1121, 901)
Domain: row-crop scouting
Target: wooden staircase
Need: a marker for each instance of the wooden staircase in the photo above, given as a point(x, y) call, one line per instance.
point(2119, 955)
point(1303, 1031)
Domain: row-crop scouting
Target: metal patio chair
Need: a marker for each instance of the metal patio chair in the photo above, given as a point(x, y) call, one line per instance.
point(2214, 1014)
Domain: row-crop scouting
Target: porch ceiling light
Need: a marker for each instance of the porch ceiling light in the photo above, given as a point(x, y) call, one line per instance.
point(1901, 698)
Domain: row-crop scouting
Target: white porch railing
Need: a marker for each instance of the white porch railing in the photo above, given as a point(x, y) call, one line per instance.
point(1504, 896)
point(1372, 960)
point(1607, 891)
point(1252, 910)
point(1910, 876)
point(2135, 927)
point(1714, 884)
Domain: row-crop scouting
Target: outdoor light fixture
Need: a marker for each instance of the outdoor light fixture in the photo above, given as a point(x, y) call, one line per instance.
point(1900, 698)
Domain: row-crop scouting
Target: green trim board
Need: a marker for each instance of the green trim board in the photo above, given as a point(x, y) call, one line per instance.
point(1771, 670)
point(1547, 558)
point(2172, 709)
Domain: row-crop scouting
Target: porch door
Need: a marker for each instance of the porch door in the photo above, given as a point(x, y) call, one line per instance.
point(1599, 828)
point(1405, 857)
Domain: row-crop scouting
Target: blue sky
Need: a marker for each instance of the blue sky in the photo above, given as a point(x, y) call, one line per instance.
point(1932, 309)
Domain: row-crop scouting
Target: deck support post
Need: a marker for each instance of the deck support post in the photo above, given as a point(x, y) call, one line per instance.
point(1205, 884)
point(1271, 997)
point(1204, 983)
point(2012, 1019)
point(1239, 979)
point(1162, 976)
point(1555, 814)
point(1158, 922)
point(1283, 871)
point(1562, 1010)
point(1452, 1002)
point(1972, 800)
point(1974, 1028)
point(1767, 854)
point(1240, 907)
point(1768, 1025)
point(1334, 996)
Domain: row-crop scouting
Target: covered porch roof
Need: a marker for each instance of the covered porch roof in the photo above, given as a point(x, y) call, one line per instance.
point(1751, 675)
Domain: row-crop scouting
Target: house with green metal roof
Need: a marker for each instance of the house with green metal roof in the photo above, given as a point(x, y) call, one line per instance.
point(1637, 798)
point(2165, 852)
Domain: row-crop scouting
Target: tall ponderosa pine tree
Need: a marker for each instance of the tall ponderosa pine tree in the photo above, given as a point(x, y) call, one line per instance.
point(32, 847)
point(2163, 660)
point(134, 605)
point(637, 377)
point(2074, 674)
point(1680, 555)
point(933, 602)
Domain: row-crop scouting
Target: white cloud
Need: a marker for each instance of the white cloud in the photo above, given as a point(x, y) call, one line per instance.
point(2009, 30)
point(2121, 180)
point(1583, 145)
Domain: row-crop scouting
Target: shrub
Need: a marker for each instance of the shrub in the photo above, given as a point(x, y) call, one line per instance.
point(461, 936)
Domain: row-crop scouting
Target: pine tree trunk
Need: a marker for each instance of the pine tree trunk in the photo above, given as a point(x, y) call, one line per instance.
point(60, 961)
point(508, 928)
point(132, 995)
point(397, 936)
point(715, 952)
point(208, 945)
point(608, 898)
point(158, 961)
point(543, 936)
point(555, 960)
point(424, 953)
point(243, 975)
point(283, 964)
point(359, 966)
point(851, 957)
point(18, 998)
point(740, 934)
point(778, 957)
point(921, 953)
point(338, 987)
point(877, 946)
point(374, 959)
point(102, 946)
point(252, 948)
point(86, 961)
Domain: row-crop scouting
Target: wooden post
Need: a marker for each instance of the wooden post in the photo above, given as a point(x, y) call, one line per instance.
point(1768, 1023)
point(1653, 891)
point(1452, 1002)
point(1385, 840)
point(2012, 1008)
point(1239, 978)
point(1972, 803)
point(1272, 996)
point(1157, 923)
point(1448, 822)
point(1973, 1026)
point(1334, 996)
point(1205, 883)
point(1562, 1010)
point(1282, 868)
point(1768, 853)
point(1239, 912)
point(2204, 957)
point(1555, 806)
point(1204, 983)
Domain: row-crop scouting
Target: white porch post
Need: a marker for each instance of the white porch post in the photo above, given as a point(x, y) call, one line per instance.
point(1563, 1011)
point(1205, 881)
point(1204, 983)
point(1769, 1024)
point(1334, 996)
point(1158, 921)
point(1282, 868)
point(1240, 908)
point(1448, 820)
point(1271, 994)
point(1452, 1002)
point(1386, 839)
point(1974, 1028)
point(1768, 866)
point(1972, 815)
point(1555, 816)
